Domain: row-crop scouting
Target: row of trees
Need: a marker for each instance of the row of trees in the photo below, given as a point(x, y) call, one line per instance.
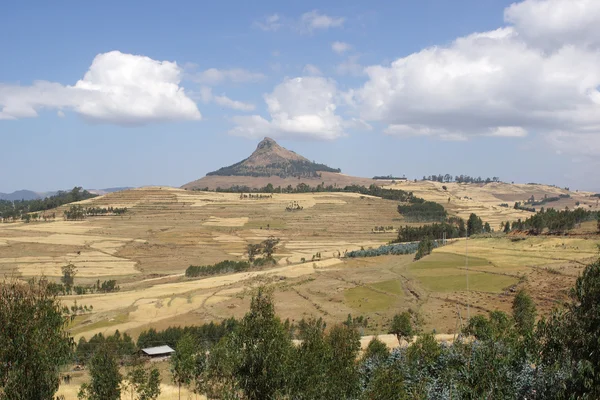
point(459, 178)
point(223, 267)
point(552, 221)
point(423, 211)
point(453, 227)
point(78, 213)
point(15, 210)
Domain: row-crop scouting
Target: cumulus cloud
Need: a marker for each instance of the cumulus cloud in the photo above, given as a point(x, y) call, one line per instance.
point(310, 69)
point(269, 23)
point(118, 88)
point(214, 76)
point(551, 24)
point(340, 47)
point(303, 107)
point(506, 83)
point(207, 96)
point(314, 20)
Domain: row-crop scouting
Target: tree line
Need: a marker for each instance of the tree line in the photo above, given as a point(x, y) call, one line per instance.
point(78, 212)
point(445, 178)
point(553, 221)
point(14, 210)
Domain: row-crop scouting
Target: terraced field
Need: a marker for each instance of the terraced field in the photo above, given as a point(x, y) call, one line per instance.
point(165, 230)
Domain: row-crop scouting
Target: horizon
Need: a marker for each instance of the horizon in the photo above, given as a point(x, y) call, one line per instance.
point(494, 88)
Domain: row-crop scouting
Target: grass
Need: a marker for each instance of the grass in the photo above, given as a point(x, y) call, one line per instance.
point(366, 299)
point(478, 281)
point(104, 323)
point(444, 272)
point(394, 287)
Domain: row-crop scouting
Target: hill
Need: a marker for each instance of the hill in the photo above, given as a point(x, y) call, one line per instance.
point(272, 163)
point(25, 195)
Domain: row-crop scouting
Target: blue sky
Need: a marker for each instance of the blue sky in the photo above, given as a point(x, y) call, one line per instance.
point(136, 93)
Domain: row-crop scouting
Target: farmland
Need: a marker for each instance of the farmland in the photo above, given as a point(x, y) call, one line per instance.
point(165, 230)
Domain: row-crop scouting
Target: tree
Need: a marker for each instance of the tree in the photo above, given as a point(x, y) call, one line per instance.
point(425, 248)
point(68, 276)
point(33, 341)
point(598, 223)
point(265, 349)
point(144, 383)
point(524, 313)
point(106, 379)
point(183, 361)
point(253, 250)
point(376, 350)
point(507, 227)
point(402, 327)
point(474, 224)
point(487, 228)
point(269, 246)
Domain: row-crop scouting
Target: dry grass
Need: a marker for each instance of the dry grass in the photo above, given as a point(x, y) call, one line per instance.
point(167, 229)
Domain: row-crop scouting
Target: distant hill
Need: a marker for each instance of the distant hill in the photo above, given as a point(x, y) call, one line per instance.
point(272, 163)
point(25, 195)
point(270, 159)
point(31, 195)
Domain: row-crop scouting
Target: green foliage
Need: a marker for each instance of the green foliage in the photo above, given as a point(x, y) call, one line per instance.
point(423, 211)
point(455, 227)
point(183, 362)
point(223, 267)
point(68, 277)
point(33, 342)
point(524, 313)
point(120, 346)
point(425, 248)
point(376, 350)
point(106, 379)
point(289, 168)
point(142, 382)
point(16, 209)
point(265, 350)
point(395, 249)
point(556, 222)
point(402, 326)
point(206, 334)
point(474, 225)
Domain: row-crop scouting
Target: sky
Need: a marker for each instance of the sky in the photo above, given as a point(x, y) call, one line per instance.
point(107, 94)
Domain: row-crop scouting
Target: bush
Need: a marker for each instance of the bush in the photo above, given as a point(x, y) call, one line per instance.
point(224, 267)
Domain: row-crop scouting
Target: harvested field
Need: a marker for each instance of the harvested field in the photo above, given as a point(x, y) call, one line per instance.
point(166, 230)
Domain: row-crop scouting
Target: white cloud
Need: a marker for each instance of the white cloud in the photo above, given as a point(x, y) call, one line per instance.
point(270, 23)
point(508, 131)
point(314, 20)
point(310, 69)
point(214, 76)
point(506, 82)
point(207, 96)
point(303, 107)
point(340, 47)
point(118, 88)
point(60, 113)
point(550, 24)
point(350, 66)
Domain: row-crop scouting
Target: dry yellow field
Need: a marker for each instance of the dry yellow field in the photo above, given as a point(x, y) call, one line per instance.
point(165, 230)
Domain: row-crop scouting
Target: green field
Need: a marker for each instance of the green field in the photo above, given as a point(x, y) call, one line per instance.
point(445, 272)
point(365, 299)
point(394, 287)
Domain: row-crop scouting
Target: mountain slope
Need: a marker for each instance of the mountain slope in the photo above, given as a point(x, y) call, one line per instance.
point(271, 163)
point(270, 159)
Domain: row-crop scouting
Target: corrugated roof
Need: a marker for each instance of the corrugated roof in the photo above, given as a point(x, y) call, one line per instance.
point(152, 351)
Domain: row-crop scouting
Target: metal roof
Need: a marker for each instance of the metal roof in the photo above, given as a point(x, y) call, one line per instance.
point(152, 351)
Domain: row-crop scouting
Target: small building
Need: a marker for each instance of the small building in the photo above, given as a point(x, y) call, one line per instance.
point(158, 352)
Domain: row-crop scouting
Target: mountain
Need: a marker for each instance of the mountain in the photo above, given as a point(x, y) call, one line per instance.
point(270, 159)
point(272, 163)
point(31, 195)
point(25, 195)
